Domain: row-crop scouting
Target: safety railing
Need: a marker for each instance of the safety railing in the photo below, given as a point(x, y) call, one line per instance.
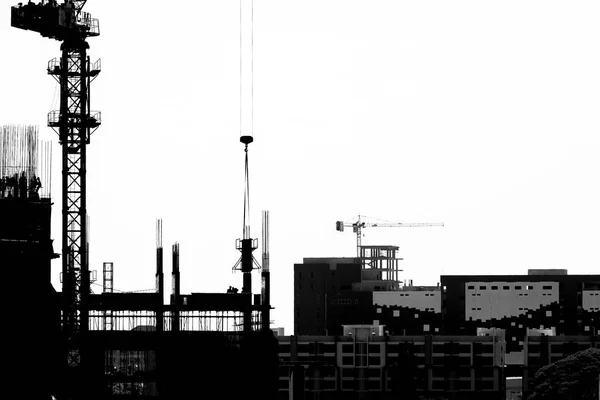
point(54, 66)
point(55, 119)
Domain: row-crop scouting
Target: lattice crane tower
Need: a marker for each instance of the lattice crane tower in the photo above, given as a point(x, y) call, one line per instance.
point(74, 123)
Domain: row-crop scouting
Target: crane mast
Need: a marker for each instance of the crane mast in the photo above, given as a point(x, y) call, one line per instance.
point(74, 123)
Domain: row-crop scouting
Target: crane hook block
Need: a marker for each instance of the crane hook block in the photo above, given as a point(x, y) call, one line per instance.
point(246, 139)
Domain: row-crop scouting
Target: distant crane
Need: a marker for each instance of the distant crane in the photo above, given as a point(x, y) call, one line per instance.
point(359, 224)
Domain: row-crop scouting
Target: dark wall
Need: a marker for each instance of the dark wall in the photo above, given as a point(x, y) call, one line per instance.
point(192, 365)
point(348, 308)
point(314, 287)
point(32, 321)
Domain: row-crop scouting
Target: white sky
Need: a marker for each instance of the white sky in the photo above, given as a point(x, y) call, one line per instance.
point(479, 114)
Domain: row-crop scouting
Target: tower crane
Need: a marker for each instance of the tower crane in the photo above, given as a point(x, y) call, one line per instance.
point(360, 224)
point(74, 123)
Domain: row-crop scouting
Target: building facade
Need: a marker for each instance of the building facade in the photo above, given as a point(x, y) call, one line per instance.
point(366, 363)
point(324, 298)
point(544, 299)
point(542, 350)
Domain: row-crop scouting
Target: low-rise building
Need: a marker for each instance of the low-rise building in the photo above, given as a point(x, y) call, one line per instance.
point(367, 363)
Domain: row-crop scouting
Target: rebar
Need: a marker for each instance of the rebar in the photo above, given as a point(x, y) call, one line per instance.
point(25, 162)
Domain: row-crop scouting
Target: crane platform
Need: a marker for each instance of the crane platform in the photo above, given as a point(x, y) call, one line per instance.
point(54, 21)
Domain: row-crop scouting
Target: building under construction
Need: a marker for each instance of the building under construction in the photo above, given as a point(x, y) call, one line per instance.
point(26, 251)
point(113, 344)
point(129, 344)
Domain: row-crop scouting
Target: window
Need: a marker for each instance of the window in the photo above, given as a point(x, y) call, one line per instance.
point(374, 385)
point(529, 287)
point(284, 347)
point(375, 348)
point(373, 360)
point(347, 373)
point(547, 287)
point(482, 287)
point(329, 384)
point(471, 287)
point(506, 287)
point(517, 287)
point(494, 287)
point(347, 360)
point(378, 310)
point(347, 348)
point(396, 313)
point(426, 328)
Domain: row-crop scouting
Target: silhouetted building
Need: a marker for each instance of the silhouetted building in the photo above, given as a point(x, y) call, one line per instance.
point(366, 363)
point(33, 323)
point(324, 298)
point(331, 292)
point(139, 346)
point(567, 304)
